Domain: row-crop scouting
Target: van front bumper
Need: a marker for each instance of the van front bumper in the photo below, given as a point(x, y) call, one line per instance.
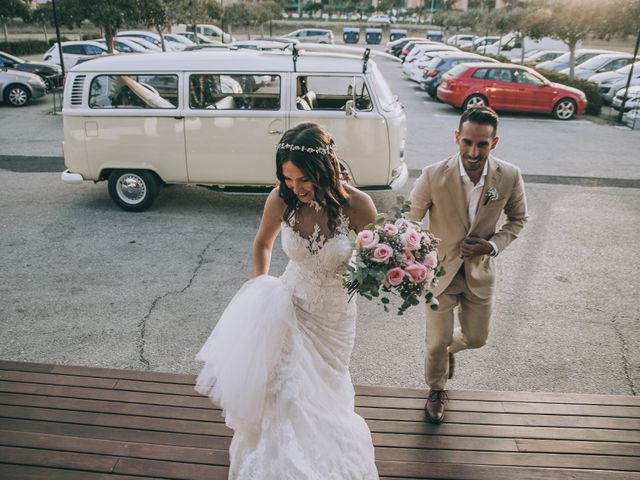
point(401, 177)
point(69, 177)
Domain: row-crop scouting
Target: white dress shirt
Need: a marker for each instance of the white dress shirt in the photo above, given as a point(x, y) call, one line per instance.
point(473, 193)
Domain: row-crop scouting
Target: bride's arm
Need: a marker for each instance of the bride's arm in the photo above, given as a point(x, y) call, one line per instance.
point(267, 232)
point(361, 210)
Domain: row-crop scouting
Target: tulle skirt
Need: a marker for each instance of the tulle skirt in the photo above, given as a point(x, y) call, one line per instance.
point(277, 371)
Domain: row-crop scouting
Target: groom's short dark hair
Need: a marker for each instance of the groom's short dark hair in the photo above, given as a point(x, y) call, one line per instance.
point(481, 115)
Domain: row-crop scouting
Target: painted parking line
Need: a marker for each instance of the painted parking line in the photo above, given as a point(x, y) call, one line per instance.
point(541, 120)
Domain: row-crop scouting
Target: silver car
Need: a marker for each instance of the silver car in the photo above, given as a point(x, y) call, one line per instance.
point(313, 35)
point(17, 88)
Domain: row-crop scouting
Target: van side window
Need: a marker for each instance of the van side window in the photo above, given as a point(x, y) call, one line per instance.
point(213, 91)
point(332, 93)
point(134, 91)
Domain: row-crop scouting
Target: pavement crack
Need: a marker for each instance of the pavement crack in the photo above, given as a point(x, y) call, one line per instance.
point(142, 324)
point(625, 360)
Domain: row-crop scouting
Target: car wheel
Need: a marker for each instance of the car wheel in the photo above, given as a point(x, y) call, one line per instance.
point(564, 109)
point(133, 190)
point(16, 96)
point(474, 101)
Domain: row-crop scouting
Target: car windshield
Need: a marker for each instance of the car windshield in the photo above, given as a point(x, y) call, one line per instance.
point(387, 100)
point(595, 62)
point(627, 69)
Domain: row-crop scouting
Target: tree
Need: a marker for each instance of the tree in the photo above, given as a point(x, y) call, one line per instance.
point(155, 14)
point(571, 21)
point(10, 9)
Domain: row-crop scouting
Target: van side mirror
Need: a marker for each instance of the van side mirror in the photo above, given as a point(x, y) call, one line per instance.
point(350, 109)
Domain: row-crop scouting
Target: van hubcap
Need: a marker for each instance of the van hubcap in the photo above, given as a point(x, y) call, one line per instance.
point(17, 96)
point(131, 188)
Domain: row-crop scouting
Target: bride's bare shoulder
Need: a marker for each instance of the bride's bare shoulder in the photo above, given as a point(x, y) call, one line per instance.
point(275, 204)
point(359, 208)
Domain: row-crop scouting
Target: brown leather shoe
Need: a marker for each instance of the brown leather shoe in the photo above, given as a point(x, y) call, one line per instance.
point(435, 405)
point(452, 365)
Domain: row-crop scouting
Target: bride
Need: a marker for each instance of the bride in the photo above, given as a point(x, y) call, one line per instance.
point(277, 362)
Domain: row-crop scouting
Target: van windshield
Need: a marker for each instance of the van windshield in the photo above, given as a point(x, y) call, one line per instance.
point(387, 100)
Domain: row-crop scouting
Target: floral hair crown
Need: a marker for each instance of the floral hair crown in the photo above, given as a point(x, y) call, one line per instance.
point(301, 148)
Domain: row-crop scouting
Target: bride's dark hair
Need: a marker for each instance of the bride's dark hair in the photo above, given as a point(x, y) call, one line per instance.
point(321, 167)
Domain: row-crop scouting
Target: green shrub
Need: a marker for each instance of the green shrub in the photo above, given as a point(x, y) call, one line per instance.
point(28, 47)
point(590, 89)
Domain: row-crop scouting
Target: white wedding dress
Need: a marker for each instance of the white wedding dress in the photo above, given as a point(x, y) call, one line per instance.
point(277, 363)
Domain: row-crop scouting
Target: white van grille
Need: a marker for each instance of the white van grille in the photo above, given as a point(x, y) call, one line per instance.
point(76, 90)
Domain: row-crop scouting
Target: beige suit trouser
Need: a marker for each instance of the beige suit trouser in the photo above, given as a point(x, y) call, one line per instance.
point(474, 314)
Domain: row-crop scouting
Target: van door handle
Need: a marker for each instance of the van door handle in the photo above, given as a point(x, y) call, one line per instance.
point(178, 118)
point(273, 132)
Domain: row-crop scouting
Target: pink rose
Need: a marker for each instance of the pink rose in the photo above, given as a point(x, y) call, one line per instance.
point(408, 258)
point(401, 223)
point(417, 272)
point(382, 253)
point(431, 259)
point(412, 239)
point(390, 229)
point(395, 276)
point(367, 239)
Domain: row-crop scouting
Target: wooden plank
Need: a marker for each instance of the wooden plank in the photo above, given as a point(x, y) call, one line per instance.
point(121, 434)
point(177, 470)
point(589, 448)
point(503, 396)
point(115, 420)
point(25, 472)
point(596, 462)
point(104, 406)
point(485, 472)
point(504, 407)
point(116, 448)
point(496, 431)
point(46, 378)
point(26, 366)
point(444, 442)
point(51, 458)
point(482, 418)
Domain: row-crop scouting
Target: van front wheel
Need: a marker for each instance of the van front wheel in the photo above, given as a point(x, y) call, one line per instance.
point(133, 190)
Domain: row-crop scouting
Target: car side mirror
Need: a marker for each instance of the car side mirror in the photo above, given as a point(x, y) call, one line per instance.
point(350, 108)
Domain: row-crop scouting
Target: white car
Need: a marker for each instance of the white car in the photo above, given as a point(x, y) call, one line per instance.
point(380, 18)
point(538, 56)
point(212, 32)
point(418, 50)
point(174, 37)
point(611, 82)
point(122, 45)
point(146, 44)
point(462, 38)
point(149, 37)
point(312, 35)
point(480, 44)
point(601, 63)
point(414, 68)
point(73, 51)
point(632, 102)
point(201, 38)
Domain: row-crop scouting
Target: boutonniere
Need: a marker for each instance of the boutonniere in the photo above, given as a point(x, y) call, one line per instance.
point(491, 195)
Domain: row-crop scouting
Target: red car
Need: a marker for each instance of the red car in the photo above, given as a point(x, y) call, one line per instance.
point(504, 86)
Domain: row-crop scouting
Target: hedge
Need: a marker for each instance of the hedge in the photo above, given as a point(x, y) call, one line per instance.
point(28, 47)
point(590, 89)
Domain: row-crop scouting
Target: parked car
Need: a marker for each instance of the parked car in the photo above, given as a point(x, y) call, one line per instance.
point(396, 45)
point(260, 45)
point(380, 18)
point(72, 51)
point(17, 88)
point(149, 37)
point(480, 44)
point(513, 44)
point(212, 32)
point(410, 45)
point(442, 63)
point(538, 56)
point(632, 102)
point(146, 44)
point(509, 87)
point(607, 62)
point(312, 35)
point(420, 49)
point(174, 37)
point(50, 73)
point(208, 46)
point(123, 45)
point(462, 38)
point(581, 56)
point(201, 38)
point(414, 66)
point(611, 82)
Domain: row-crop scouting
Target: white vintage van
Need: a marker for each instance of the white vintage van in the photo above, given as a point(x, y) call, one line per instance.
point(215, 117)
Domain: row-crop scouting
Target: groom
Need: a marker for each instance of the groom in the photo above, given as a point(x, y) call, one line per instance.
point(465, 196)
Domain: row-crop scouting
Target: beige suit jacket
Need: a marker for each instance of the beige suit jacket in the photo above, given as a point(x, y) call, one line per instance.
point(439, 192)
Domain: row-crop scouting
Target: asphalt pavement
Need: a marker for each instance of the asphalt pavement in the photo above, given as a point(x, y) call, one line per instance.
point(85, 283)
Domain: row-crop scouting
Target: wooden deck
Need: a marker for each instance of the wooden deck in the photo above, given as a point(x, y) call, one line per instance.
point(68, 423)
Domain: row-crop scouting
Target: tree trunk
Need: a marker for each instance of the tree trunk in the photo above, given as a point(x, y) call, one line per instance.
point(572, 56)
point(6, 33)
point(159, 30)
point(194, 26)
point(109, 33)
point(44, 29)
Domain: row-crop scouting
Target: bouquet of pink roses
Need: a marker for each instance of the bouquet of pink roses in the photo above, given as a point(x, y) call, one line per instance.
point(395, 256)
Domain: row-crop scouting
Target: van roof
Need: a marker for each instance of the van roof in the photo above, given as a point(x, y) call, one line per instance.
point(243, 60)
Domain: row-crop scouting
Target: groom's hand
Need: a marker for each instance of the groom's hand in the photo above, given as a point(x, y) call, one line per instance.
point(475, 246)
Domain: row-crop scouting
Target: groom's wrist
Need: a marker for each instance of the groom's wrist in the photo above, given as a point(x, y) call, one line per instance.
point(494, 247)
